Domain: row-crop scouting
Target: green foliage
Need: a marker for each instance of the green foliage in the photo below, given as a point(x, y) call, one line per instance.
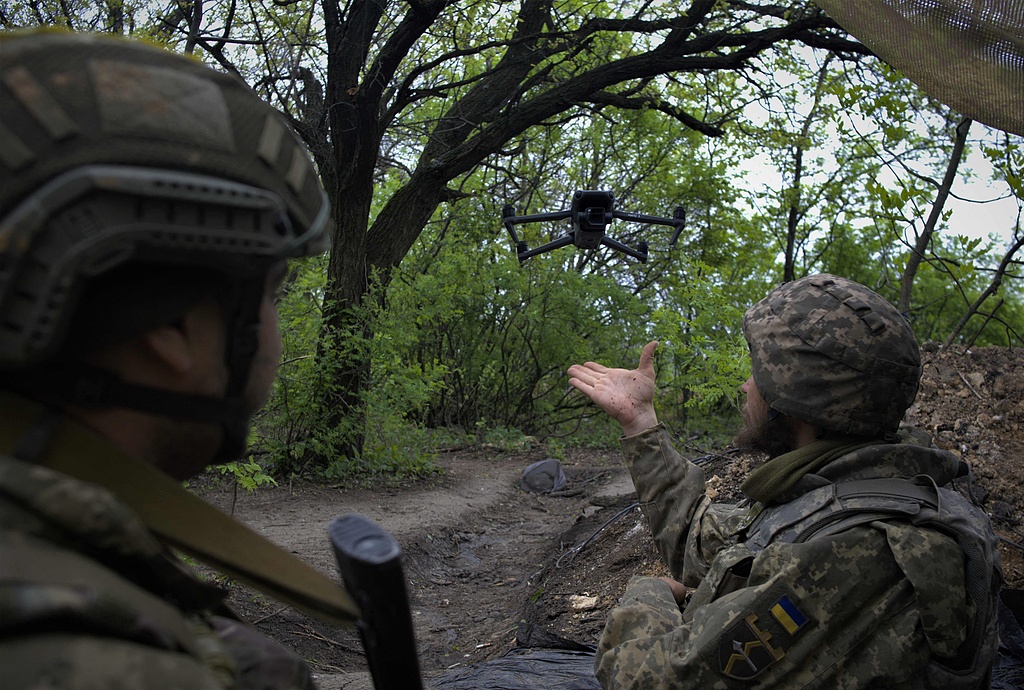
point(247, 473)
point(823, 164)
point(703, 356)
point(286, 433)
point(507, 334)
point(503, 438)
point(290, 435)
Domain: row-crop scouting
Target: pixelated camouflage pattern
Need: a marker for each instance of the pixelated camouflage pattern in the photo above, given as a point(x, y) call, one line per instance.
point(835, 354)
point(881, 601)
point(907, 499)
point(89, 599)
point(913, 455)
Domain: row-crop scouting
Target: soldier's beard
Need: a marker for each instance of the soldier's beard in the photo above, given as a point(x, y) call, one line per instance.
point(764, 430)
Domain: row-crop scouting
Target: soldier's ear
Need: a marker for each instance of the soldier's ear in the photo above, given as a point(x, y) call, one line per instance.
point(189, 342)
point(169, 346)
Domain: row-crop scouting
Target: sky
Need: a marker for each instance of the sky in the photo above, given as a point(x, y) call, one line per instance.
point(977, 220)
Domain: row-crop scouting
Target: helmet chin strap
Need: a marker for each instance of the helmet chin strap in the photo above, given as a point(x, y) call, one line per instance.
point(86, 385)
point(89, 386)
point(241, 306)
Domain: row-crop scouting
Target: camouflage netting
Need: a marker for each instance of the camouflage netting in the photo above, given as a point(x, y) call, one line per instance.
point(969, 54)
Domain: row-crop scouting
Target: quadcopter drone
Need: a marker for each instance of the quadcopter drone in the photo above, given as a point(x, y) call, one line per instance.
point(591, 212)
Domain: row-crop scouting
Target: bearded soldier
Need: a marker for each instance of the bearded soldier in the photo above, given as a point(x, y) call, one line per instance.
point(851, 563)
point(148, 205)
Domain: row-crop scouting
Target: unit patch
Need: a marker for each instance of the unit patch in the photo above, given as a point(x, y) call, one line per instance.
point(748, 648)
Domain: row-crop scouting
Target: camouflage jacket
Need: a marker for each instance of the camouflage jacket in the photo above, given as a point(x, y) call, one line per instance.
point(91, 599)
point(873, 606)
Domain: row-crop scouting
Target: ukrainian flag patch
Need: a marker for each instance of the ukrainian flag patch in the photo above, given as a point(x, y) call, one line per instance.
point(788, 615)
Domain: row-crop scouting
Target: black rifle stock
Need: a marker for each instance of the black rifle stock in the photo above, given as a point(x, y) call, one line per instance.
point(370, 562)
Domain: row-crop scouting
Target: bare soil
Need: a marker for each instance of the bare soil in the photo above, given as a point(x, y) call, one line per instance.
point(482, 555)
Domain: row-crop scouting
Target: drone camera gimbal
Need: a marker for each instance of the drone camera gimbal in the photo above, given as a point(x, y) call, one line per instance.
point(591, 212)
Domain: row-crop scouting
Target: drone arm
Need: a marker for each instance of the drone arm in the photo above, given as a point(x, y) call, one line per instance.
point(554, 244)
point(640, 253)
point(535, 217)
point(678, 221)
point(509, 219)
point(642, 218)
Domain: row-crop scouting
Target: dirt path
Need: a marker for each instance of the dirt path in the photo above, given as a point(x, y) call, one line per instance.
point(475, 547)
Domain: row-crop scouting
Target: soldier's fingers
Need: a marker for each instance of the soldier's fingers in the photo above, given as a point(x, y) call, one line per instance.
point(579, 371)
point(584, 376)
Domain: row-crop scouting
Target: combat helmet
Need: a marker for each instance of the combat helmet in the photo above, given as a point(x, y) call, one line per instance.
point(118, 155)
point(832, 353)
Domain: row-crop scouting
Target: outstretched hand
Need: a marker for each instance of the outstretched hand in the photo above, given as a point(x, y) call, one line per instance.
point(624, 394)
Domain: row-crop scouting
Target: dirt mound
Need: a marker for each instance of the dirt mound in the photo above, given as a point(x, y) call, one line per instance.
point(973, 404)
point(483, 556)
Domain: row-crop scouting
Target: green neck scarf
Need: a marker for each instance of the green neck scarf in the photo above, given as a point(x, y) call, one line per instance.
point(779, 474)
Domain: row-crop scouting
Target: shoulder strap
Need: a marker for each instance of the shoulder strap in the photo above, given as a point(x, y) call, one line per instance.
point(837, 507)
point(867, 500)
point(888, 487)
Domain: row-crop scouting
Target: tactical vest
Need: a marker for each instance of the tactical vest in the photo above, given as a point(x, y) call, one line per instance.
point(829, 510)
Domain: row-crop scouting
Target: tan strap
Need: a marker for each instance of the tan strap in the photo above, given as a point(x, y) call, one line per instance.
point(186, 522)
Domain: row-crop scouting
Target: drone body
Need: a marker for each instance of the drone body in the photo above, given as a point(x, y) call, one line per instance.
point(591, 211)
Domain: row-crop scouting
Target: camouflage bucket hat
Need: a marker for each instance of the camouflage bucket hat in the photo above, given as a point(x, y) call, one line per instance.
point(116, 152)
point(832, 353)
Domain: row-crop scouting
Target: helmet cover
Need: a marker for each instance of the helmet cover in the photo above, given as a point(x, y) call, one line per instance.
point(116, 152)
point(832, 353)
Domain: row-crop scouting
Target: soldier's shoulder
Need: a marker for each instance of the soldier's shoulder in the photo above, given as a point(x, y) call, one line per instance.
point(49, 505)
point(71, 608)
point(85, 662)
point(73, 557)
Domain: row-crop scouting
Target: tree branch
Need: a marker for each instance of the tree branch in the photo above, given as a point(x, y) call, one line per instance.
point(655, 103)
point(993, 287)
point(493, 113)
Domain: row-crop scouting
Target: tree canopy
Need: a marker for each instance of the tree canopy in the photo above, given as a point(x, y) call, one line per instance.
point(792, 149)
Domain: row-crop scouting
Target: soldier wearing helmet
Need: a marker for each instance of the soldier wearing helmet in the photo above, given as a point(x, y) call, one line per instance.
point(148, 206)
point(851, 563)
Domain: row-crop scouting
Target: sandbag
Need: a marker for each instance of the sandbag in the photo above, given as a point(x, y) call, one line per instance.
point(543, 477)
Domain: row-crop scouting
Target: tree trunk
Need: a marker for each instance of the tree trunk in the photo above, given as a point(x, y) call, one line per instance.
point(793, 218)
point(344, 341)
